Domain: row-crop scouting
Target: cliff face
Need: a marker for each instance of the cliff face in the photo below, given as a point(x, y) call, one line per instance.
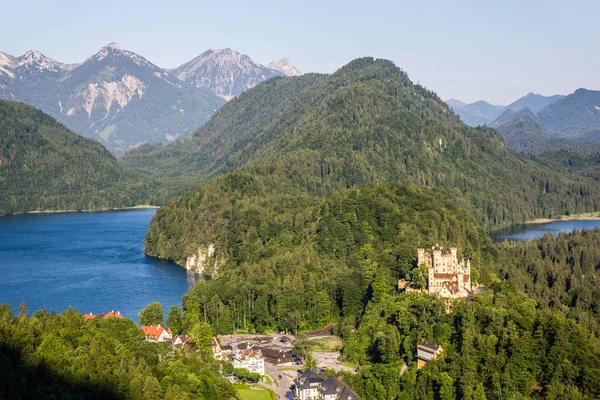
point(203, 261)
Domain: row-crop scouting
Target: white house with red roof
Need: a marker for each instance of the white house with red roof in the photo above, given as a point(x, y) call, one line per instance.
point(157, 333)
point(250, 359)
point(180, 340)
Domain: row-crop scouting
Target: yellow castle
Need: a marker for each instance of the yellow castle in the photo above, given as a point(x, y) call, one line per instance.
point(447, 277)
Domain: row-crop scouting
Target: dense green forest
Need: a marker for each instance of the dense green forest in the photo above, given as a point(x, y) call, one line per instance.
point(531, 334)
point(44, 166)
point(498, 346)
point(302, 269)
point(559, 272)
point(65, 357)
point(368, 122)
point(527, 136)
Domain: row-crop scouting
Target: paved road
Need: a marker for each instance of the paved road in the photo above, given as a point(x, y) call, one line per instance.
point(284, 391)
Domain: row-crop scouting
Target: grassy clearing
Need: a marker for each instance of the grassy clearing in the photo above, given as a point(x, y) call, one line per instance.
point(254, 393)
point(327, 344)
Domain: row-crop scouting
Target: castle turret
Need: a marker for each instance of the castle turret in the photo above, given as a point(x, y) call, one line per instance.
point(420, 257)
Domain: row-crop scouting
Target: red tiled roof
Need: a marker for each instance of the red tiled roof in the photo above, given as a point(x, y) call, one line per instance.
point(154, 330)
point(451, 286)
point(113, 314)
point(447, 277)
point(249, 353)
point(107, 315)
point(181, 338)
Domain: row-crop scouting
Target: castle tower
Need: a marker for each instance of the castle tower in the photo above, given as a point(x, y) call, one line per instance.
point(420, 256)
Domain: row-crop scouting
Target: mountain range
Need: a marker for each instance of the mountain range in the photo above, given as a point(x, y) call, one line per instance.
point(484, 113)
point(536, 123)
point(123, 100)
point(570, 123)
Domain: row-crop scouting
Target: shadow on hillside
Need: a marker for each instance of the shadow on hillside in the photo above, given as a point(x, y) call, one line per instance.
point(21, 379)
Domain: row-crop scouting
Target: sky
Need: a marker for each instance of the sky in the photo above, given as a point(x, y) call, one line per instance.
point(497, 51)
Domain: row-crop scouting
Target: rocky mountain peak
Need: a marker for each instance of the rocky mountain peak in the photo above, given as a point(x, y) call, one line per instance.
point(7, 64)
point(285, 66)
point(36, 60)
point(113, 45)
point(225, 72)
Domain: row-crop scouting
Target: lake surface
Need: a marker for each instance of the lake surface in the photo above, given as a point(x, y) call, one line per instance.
point(533, 231)
point(94, 262)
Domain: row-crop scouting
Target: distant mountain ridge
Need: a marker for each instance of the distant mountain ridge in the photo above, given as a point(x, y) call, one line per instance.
point(115, 96)
point(475, 114)
point(563, 124)
point(534, 102)
point(285, 66)
point(484, 113)
point(123, 100)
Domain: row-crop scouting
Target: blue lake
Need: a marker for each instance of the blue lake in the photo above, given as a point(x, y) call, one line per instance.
point(94, 262)
point(533, 231)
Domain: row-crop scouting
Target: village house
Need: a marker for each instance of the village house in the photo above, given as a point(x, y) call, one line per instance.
point(104, 316)
point(250, 359)
point(216, 349)
point(227, 349)
point(180, 340)
point(311, 385)
point(157, 333)
point(446, 276)
point(427, 352)
point(277, 355)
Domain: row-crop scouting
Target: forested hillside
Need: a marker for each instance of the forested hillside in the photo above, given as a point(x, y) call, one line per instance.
point(339, 261)
point(299, 235)
point(499, 345)
point(208, 151)
point(49, 356)
point(309, 265)
point(559, 272)
point(525, 135)
point(44, 166)
point(365, 123)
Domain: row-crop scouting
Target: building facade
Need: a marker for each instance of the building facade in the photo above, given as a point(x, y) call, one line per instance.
point(312, 386)
point(427, 352)
point(447, 277)
point(250, 359)
point(157, 333)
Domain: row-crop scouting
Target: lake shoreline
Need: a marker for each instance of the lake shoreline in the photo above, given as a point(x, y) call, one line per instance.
point(575, 217)
point(138, 207)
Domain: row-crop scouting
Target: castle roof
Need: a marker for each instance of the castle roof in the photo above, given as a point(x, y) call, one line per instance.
point(446, 277)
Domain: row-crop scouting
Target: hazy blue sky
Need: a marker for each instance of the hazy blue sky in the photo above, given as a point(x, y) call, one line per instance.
point(468, 50)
